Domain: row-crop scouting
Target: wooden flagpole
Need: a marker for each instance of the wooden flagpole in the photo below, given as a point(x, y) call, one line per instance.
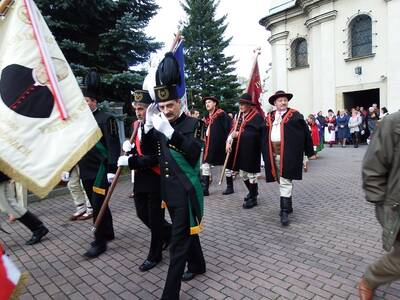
point(112, 186)
point(4, 6)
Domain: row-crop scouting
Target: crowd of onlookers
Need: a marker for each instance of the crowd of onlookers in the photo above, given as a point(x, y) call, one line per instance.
point(345, 127)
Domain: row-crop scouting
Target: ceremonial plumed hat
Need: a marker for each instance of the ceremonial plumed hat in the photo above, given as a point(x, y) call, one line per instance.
point(165, 93)
point(91, 84)
point(167, 78)
point(278, 94)
point(142, 97)
point(212, 98)
point(246, 99)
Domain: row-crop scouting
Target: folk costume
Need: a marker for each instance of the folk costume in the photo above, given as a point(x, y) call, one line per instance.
point(330, 134)
point(246, 149)
point(218, 125)
point(288, 137)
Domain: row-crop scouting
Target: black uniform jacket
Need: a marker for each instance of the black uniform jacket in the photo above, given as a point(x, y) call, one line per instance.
point(90, 163)
point(176, 189)
point(295, 141)
point(246, 149)
point(218, 128)
point(146, 163)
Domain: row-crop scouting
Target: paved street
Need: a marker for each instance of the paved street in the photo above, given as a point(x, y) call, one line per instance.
point(332, 237)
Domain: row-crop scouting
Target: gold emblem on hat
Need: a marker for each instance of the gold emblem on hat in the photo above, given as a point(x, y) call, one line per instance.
point(163, 94)
point(138, 97)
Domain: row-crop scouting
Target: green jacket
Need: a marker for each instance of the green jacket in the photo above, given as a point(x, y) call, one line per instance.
point(381, 177)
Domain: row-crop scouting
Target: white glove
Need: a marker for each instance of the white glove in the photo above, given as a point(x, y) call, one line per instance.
point(65, 176)
point(151, 111)
point(123, 160)
point(161, 123)
point(110, 177)
point(127, 146)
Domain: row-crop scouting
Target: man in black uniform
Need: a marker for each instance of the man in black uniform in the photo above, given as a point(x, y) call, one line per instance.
point(179, 137)
point(97, 170)
point(244, 145)
point(146, 188)
point(218, 127)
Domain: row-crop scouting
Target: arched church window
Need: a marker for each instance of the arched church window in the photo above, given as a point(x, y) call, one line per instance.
point(299, 53)
point(361, 36)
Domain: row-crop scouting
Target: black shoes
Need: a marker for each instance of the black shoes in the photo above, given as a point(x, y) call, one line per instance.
point(147, 265)
point(187, 276)
point(229, 186)
point(33, 223)
point(96, 249)
point(37, 235)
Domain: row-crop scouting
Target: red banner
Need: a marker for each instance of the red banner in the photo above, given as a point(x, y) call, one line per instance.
point(254, 87)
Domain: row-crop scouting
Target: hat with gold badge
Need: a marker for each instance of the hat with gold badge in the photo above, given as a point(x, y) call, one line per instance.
point(142, 97)
point(165, 93)
point(167, 79)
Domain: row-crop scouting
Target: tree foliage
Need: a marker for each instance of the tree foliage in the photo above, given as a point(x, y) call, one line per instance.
point(105, 34)
point(209, 71)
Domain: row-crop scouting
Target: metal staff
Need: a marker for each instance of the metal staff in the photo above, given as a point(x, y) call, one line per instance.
point(112, 187)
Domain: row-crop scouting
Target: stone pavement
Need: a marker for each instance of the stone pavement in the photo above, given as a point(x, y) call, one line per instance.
point(332, 237)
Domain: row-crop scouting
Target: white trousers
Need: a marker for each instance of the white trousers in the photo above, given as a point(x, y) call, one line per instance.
point(8, 200)
point(285, 185)
point(251, 177)
point(77, 192)
point(205, 169)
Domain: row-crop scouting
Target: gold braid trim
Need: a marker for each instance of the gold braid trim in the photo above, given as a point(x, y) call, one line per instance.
point(70, 162)
point(19, 288)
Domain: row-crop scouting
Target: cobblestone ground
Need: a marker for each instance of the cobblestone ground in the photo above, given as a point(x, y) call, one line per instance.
point(332, 237)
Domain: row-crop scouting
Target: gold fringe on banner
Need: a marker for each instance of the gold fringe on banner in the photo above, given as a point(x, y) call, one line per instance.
point(70, 162)
point(21, 285)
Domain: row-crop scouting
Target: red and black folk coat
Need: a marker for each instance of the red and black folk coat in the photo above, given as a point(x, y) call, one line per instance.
point(218, 127)
point(295, 141)
point(246, 148)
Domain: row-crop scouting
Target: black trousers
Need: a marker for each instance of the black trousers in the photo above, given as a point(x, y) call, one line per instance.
point(105, 231)
point(149, 211)
point(355, 138)
point(183, 248)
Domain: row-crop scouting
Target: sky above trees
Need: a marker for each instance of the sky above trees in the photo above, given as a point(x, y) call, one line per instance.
point(243, 17)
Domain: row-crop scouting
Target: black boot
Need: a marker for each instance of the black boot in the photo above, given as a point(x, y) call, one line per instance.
point(35, 225)
point(252, 201)
point(290, 209)
point(284, 211)
point(205, 182)
point(248, 196)
point(229, 186)
point(96, 248)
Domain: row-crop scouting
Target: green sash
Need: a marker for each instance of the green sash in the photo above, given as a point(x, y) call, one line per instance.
point(196, 205)
point(97, 187)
